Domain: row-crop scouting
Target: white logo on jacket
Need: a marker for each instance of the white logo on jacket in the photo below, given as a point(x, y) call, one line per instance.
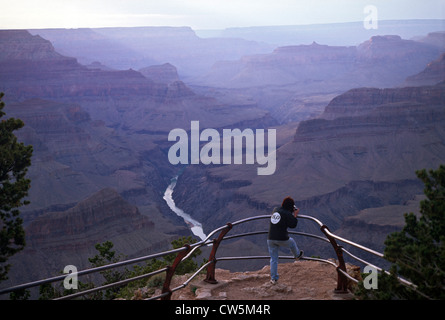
point(275, 218)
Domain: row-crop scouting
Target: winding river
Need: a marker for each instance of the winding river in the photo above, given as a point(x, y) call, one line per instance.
point(194, 225)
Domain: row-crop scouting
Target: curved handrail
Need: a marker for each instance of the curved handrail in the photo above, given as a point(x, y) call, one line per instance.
point(330, 237)
point(265, 232)
point(302, 216)
point(378, 254)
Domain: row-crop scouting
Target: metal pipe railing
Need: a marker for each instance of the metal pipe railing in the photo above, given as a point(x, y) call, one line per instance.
point(111, 285)
point(91, 270)
point(184, 284)
point(265, 232)
point(378, 254)
point(210, 265)
point(403, 281)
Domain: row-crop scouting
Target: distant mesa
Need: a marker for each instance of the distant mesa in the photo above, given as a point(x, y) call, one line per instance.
point(98, 66)
point(165, 73)
point(105, 209)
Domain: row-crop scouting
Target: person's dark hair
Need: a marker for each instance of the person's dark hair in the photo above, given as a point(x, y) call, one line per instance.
point(288, 204)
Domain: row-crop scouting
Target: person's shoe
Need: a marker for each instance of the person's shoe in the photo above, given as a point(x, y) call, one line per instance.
point(273, 281)
point(299, 256)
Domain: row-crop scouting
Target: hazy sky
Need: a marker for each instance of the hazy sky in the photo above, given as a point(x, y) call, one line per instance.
point(204, 14)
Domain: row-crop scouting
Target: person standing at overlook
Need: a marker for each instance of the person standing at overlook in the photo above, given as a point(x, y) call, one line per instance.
point(282, 218)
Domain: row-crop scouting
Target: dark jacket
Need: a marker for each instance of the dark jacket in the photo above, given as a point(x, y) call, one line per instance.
point(280, 220)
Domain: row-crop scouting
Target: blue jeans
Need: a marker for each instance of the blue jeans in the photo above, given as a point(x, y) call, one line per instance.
point(274, 246)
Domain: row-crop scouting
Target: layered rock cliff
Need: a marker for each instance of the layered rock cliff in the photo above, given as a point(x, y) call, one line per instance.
point(19, 45)
point(362, 101)
point(165, 73)
point(75, 156)
point(31, 68)
point(103, 215)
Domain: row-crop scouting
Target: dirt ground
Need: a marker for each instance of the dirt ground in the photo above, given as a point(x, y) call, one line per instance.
point(301, 280)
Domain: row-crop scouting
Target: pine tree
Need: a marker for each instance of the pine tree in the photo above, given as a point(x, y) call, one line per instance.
point(15, 158)
point(418, 250)
point(106, 256)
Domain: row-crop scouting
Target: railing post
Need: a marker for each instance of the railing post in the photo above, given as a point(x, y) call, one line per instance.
point(171, 271)
point(210, 278)
point(342, 281)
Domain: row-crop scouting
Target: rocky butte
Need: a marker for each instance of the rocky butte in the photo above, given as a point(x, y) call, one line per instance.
point(165, 73)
